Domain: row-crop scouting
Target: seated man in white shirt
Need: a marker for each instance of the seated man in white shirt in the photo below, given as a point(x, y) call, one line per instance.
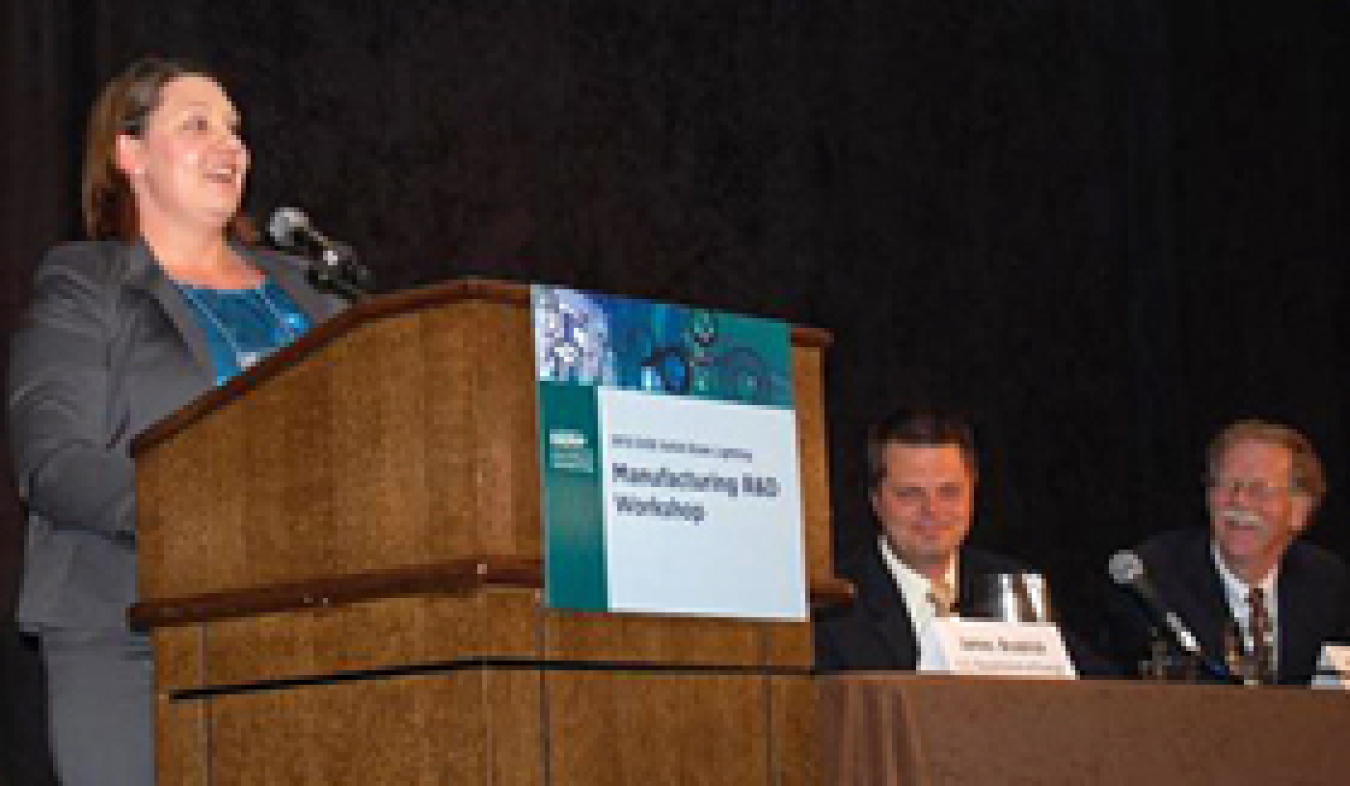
point(922, 474)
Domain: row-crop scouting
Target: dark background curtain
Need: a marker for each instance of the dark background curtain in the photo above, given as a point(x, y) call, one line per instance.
point(1104, 228)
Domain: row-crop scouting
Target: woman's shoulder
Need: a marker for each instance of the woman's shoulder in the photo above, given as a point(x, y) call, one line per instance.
point(87, 259)
point(81, 277)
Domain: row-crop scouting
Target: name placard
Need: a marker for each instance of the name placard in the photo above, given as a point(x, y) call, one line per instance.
point(1333, 668)
point(991, 648)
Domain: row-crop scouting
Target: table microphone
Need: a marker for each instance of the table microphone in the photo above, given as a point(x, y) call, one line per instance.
point(1127, 570)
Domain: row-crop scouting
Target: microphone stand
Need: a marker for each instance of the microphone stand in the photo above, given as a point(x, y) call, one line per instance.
point(1169, 660)
point(339, 276)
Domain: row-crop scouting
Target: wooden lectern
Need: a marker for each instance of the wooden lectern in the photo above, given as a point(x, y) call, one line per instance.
point(340, 564)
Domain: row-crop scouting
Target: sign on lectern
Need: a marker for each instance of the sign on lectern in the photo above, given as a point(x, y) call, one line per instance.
point(668, 454)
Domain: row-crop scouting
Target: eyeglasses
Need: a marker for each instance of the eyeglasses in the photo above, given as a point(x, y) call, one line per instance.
point(1259, 490)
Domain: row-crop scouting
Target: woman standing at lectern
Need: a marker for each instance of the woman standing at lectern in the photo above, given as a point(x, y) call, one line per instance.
point(168, 298)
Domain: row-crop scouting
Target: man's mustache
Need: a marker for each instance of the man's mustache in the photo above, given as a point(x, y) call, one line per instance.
point(1244, 517)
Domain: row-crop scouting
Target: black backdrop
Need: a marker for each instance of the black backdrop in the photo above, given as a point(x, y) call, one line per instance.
point(1103, 228)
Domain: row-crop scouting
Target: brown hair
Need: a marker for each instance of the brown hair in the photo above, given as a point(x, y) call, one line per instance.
point(1308, 476)
point(123, 107)
point(918, 426)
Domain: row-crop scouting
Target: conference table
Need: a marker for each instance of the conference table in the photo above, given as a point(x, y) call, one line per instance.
point(951, 731)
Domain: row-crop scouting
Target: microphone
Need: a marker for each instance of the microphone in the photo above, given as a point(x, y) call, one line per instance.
point(337, 269)
point(1127, 570)
point(290, 228)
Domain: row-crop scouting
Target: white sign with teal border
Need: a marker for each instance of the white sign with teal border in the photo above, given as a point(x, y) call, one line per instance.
point(669, 459)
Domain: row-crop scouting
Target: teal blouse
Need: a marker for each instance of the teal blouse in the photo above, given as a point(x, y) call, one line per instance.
point(243, 326)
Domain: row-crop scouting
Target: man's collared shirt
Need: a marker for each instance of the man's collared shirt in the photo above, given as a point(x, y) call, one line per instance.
point(1235, 591)
point(915, 588)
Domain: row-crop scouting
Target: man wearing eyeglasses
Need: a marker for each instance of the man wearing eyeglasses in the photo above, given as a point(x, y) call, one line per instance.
point(1251, 593)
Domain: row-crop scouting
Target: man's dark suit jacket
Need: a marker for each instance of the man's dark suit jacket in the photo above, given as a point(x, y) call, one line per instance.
point(875, 633)
point(108, 347)
point(1313, 592)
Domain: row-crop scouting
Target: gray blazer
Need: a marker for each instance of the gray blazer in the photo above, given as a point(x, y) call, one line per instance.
point(107, 348)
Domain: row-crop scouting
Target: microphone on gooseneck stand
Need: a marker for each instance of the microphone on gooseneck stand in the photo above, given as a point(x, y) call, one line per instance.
point(334, 267)
point(1127, 570)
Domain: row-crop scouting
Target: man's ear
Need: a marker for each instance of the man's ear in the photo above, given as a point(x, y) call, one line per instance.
point(1302, 514)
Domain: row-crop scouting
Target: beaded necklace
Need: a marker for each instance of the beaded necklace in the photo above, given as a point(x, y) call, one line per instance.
point(244, 358)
